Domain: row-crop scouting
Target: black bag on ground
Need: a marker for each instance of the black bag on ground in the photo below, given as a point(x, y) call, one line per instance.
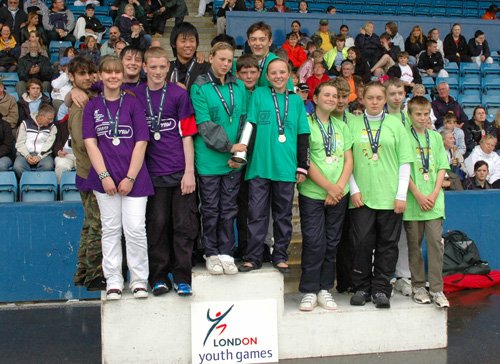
point(461, 255)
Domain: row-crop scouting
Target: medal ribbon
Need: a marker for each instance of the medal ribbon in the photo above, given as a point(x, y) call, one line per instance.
point(263, 62)
point(373, 142)
point(174, 77)
point(157, 120)
point(329, 140)
point(114, 122)
point(229, 111)
point(281, 122)
point(425, 160)
point(403, 119)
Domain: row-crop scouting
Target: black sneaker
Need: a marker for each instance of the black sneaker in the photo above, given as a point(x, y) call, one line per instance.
point(360, 298)
point(380, 300)
point(97, 284)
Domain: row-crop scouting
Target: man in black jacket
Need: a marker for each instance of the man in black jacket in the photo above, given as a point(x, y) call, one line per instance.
point(14, 17)
point(34, 65)
point(6, 145)
point(89, 24)
point(229, 5)
point(479, 49)
point(430, 62)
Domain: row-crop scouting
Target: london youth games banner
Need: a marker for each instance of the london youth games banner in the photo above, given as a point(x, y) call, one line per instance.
point(234, 332)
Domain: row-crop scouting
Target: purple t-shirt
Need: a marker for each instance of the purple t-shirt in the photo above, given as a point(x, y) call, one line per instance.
point(132, 128)
point(166, 155)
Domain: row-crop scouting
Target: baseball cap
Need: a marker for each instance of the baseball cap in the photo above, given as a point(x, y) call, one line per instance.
point(303, 87)
point(323, 22)
point(90, 6)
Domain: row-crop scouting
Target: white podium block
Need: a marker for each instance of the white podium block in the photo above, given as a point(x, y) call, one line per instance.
point(360, 329)
point(158, 329)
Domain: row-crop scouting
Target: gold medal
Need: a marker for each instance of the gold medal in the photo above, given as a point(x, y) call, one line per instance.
point(282, 138)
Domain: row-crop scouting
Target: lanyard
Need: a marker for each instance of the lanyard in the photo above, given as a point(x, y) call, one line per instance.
point(156, 123)
point(425, 160)
point(373, 142)
point(344, 117)
point(229, 108)
point(174, 77)
point(403, 119)
point(114, 122)
point(281, 122)
point(263, 62)
point(329, 140)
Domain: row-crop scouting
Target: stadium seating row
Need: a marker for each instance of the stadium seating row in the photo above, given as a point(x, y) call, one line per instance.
point(38, 187)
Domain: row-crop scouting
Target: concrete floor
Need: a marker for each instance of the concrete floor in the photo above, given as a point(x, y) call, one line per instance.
point(70, 333)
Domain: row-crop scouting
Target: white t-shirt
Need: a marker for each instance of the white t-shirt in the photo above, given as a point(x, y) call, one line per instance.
point(406, 74)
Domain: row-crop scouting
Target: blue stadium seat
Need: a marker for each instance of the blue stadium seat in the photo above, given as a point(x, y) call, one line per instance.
point(9, 78)
point(15, 95)
point(38, 186)
point(8, 187)
point(454, 91)
point(106, 20)
point(469, 100)
point(67, 188)
point(428, 81)
point(467, 68)
point(76, 10)
point(469, 111)
point(490, 82)
point(496, 56)
point(470, 82)
point(438, 12)
point(490, 69)
point(452, 68)
point(54, 49)
point(101, 10)
point(490, 101)
point(492, 112)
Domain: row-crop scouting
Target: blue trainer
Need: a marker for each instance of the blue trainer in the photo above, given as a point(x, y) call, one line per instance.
point(183, 289)
point(160, 288)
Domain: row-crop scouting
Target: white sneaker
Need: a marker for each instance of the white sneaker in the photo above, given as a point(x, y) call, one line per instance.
point(199, 15)
point(228, 265)
point(140, 292)
point(113, 294)
point(308, 302)
point(214, 265)
point(403, 286)
point(439, 299)
point(420, 295)
point(326, 301)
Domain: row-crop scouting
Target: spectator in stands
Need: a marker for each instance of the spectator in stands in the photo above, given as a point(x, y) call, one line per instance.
point(490, 13)
point(9, 50)
point(34, 65)
point(361, 67)
point(397, 39)
point(139, 13)
point(343, 90)
point(59, 22)
point(368, 43)
point(34, 38)
point(295, 29)
point(258, 6)
point(36, 6)
point(334, 57)
point(444, 103)
point(302, 89)
point(479, 180)
point(121, 185)
point(349, 41)
point(229, 5)
point(450, 123)
point(332, 10)
point(389, 56)
point(8, 108)
point(415, 43)
point(108, 48)
point(419, 90)
point(303, 7)
point(477, 128)
point(347, 73)
point(86, 2)
point(137, 36)
point(64, 158)
point(455, 46)
point(453, 177)
point(7, 142)
point(88, 24)
point(35, 138)
point(407, 73)
point(70, 52)
point(177, 9)
point(485, 151)
point(32, 25)
point(61, 84)
point(496, 123)
point(184, 69)
point(430, 62)
point(91, 49)
point(479, 49)
point(279, 7)
point(119, 46)
point(434, 35)
point(296, 54)
point(306, 70)
point(326, 36)
point(14, 17)
point(124, 22)
point(319, 76)
point(158, 15)
point(202, 6)
point(32, 100)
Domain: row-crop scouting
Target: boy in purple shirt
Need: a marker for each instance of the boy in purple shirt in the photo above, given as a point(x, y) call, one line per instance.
point(171, 214)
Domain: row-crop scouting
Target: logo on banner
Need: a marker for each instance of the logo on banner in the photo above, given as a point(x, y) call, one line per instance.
point(241, 332)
